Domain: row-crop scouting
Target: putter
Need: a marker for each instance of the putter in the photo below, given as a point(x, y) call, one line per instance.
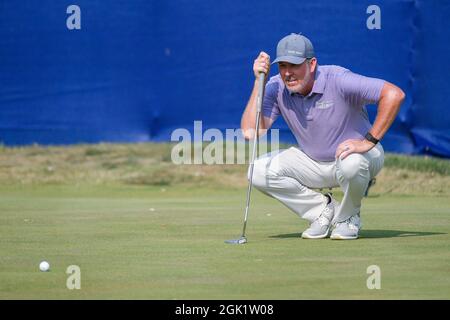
point(243, 239)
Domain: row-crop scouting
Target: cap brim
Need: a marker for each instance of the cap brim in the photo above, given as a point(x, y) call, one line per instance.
point(290, 59)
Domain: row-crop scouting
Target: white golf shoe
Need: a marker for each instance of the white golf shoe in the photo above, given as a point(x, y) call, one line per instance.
point(348, 229)
point(320, 228)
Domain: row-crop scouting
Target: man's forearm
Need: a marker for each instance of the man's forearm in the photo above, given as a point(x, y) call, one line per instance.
point(248, 120)
point(388, 107)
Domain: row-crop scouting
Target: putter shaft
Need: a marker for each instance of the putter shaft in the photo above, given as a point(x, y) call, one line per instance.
point(255, 142)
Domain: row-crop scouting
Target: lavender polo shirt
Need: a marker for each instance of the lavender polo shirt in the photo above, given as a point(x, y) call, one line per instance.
point(334, 110)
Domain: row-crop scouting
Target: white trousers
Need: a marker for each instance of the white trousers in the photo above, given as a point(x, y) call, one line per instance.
point(290, 176)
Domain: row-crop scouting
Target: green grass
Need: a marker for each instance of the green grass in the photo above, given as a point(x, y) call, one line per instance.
point(137, 242)
point(417, 163)
point(140, 227)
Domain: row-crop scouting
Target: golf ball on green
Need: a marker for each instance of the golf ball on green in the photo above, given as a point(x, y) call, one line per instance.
point(44, 266)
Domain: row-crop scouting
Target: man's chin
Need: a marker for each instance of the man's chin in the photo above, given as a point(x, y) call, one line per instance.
point(294, 89)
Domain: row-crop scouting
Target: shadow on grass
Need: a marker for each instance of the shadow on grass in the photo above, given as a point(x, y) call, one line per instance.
point(395, 233)
point(372, 234)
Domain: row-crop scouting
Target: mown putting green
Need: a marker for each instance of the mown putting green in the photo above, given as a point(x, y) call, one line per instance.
point(167, 242)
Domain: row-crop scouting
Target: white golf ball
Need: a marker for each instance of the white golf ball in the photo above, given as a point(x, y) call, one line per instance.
point(44, 266)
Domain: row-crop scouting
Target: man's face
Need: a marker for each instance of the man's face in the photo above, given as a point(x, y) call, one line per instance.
point(295, 76)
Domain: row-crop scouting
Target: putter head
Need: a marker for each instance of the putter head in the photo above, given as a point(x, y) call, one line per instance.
point(241, 240)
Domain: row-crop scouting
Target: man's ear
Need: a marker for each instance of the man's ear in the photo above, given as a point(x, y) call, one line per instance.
point(313, 64)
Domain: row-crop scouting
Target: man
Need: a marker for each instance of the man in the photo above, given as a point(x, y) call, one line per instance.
point(325, 108)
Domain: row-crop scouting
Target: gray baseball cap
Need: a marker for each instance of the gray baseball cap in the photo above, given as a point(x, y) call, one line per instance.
point(294, 48)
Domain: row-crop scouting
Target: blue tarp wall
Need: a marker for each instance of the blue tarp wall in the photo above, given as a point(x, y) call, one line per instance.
point(138, 69)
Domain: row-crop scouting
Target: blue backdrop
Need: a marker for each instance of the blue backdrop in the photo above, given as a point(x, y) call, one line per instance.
point(138, 69)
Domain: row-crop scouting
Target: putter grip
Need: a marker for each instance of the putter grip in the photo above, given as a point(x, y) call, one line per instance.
point(260, 91)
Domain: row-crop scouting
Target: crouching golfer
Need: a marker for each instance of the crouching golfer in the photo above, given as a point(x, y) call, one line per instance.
point(325, 108)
